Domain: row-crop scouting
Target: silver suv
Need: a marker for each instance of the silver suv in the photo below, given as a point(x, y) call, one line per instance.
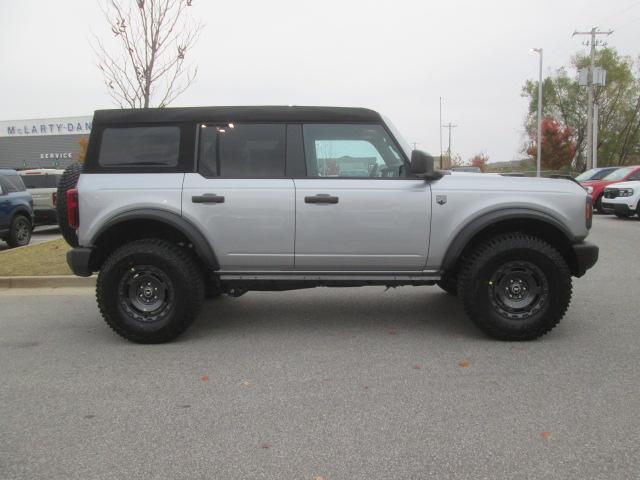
point(173, 205)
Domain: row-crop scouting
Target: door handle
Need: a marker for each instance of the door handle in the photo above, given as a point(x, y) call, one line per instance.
point(321, 198)
point(207, 198)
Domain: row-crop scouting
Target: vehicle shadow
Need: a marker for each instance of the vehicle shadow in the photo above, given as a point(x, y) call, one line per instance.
point(420, 310)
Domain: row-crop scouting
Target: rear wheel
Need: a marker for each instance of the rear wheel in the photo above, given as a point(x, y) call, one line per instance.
point(515, 287)
point(150, 291)
point(20, 233)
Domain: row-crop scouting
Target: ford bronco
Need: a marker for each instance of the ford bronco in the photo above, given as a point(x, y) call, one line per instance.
point(176, 204)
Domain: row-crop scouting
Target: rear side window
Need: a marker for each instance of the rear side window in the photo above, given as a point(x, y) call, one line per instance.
point(242, 151)
point(140, 146)
point(11, 184)
point(41, 181)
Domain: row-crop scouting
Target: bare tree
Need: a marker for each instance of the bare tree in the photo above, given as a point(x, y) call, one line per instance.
point(153, 38)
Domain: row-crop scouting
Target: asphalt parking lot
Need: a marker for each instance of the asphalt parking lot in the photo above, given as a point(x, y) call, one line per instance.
point(328, 384)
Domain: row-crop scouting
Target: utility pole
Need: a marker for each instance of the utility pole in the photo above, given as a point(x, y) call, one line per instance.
point(441, 131)
point(539, 152)
point(593, 43)
point(450, 126)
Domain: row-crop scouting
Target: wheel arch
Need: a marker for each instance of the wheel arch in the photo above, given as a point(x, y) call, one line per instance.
point(21, 210)
point(534, 222)
point(150, 223)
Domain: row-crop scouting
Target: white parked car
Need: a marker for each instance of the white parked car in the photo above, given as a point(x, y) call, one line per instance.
point(42, 184)
point(622, 198)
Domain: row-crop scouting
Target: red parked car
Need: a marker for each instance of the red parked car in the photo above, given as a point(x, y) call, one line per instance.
point(596, 187)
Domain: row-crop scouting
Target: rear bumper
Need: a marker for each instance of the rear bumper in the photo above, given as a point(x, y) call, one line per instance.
point(79, 260)
point(586, 257)
point(45, 216)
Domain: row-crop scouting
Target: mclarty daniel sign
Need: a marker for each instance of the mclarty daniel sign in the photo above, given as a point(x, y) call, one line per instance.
point(46, 126)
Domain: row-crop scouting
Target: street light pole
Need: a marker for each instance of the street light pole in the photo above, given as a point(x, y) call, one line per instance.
point(539, 152)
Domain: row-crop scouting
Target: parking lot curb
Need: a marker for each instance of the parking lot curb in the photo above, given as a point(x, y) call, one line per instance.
point(51, 281)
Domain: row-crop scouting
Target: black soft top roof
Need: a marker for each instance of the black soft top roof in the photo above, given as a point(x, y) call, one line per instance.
point(237, 114)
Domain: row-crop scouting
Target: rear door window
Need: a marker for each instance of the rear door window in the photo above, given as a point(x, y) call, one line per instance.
point(242, 151)
point(140, 146)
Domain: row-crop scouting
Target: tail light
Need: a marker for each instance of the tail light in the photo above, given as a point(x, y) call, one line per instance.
point(589, 212)
point(54, 199)
point(73, 208)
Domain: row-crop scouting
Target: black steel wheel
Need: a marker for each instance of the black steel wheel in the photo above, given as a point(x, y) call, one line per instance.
point(518, 290)
point(515, 287)
point(20, 233)
point(146, 293)
point(150, 290)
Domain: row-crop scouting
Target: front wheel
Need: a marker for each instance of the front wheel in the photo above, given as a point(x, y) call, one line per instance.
point(515, 287)
point(150, 291)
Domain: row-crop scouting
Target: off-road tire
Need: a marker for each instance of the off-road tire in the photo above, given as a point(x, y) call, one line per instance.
point(68, 180)
point(449, 285)
point(478, 286)
point(20, 232)
point(185, 290)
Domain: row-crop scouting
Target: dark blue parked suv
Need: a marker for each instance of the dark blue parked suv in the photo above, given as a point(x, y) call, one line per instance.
point(16, 209)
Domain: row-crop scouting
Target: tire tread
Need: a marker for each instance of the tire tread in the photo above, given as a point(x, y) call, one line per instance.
point(182, 260)
point(482, 254)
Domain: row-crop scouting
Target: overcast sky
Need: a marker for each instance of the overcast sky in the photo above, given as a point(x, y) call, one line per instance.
point(396, 57)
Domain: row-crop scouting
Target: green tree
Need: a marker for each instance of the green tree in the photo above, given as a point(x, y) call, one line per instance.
point(619, 107)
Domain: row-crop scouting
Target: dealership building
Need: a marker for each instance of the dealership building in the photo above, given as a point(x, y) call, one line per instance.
point(42, 143)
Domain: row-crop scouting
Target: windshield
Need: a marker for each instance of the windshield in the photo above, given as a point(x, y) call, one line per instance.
point(619, 174)
point(595, 174)
point(398, 136)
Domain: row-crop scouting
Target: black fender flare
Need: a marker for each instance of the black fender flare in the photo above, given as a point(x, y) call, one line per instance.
point(193, 234)
point(21, 210)
point(485, 220)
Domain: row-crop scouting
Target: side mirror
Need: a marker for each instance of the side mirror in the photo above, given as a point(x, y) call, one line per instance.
point(422, 166)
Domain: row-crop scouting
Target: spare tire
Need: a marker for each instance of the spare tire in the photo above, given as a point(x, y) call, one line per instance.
point(68, 180)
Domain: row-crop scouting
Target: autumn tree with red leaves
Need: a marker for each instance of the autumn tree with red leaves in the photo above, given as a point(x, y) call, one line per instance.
point(480, 161)
point(558, 145)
